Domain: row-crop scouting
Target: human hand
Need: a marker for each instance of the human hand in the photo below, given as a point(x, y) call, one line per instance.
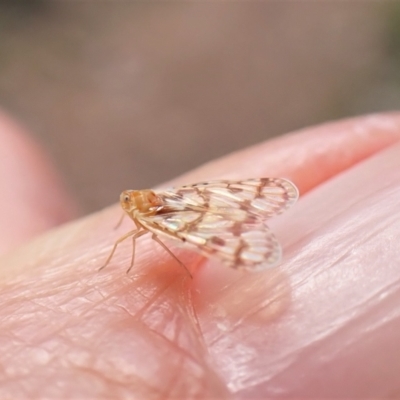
point(323, 324)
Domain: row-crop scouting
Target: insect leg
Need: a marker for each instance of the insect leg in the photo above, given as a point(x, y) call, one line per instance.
point(155, 237)
point(121, 239)
point(134, 237)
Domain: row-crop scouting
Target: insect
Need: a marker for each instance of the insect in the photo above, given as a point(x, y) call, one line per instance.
point(223, 219)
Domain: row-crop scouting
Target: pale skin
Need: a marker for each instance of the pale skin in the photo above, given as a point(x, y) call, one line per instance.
point(325, 323)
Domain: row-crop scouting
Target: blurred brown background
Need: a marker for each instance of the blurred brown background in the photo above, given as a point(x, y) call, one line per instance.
point(130, 94)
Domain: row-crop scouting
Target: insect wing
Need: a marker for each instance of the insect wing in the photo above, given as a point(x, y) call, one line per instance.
point(224, 219)
point(238, 244)
point(261, 198)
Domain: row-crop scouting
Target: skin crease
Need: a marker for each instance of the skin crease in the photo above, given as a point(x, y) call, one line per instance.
point(323, 324)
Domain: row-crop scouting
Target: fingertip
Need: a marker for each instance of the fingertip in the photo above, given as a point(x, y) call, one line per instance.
point(33, 197)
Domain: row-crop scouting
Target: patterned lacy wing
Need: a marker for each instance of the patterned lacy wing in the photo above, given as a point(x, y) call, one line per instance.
point(261, 198)
point(225, 219)
point(243, 244)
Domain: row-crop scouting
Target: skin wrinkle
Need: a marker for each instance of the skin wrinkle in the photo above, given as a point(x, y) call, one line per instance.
point(110, 325)
point(150, 302)
point(337, 260)
point(62, 327)
point(265, 305)
point(120, 383)
point(311, 232)
point(355, 243)
point(112, 382)
point(182, 355)
point(174, 379)
point(172, 344)
point(348, 310)
point(252, 316)
point(175, 349)
point(385, 317)
point(327, 339)
point(368, 202)
point(331, 220)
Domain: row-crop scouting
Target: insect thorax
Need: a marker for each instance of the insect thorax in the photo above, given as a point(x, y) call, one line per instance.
point(144, 201)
